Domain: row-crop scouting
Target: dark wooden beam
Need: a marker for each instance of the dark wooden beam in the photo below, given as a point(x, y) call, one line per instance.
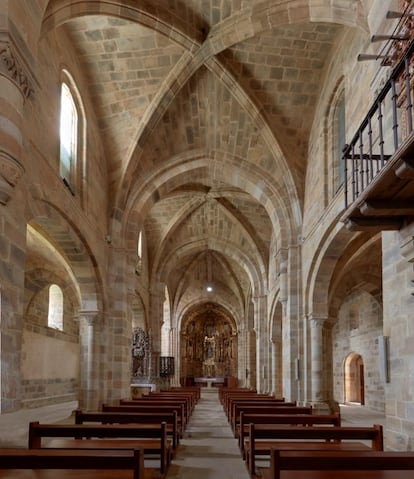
point(405, 170)
point(374, 224)
point(387, 208)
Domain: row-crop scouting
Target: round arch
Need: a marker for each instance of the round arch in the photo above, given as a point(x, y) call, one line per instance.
point(75, 249)
point(354, 379)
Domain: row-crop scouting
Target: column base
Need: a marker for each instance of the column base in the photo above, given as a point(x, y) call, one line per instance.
point(327, 406)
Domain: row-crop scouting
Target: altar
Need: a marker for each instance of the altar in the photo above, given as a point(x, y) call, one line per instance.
point(209, 381)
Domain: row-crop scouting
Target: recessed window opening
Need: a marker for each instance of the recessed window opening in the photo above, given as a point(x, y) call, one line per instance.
point(55, 312)
point(68, 135)
point(340, 139)
point(138, 266)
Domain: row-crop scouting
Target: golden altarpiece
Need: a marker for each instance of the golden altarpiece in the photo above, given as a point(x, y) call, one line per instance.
point(208, 344)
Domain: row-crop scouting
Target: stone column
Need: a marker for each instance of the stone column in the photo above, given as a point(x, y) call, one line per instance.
point(89, 362)
point(175, 380)
point(318, 389)
point(260, 321)
point(274, 367)
point(14, 89)
point(242, 372)
point(156, 320)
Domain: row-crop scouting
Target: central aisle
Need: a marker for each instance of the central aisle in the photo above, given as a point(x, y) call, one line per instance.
point(208, 449)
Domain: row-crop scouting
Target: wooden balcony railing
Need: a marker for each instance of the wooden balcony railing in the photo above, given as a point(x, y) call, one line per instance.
point(379, 160)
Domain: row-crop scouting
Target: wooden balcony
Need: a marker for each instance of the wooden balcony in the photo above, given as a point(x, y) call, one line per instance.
point(379, 161)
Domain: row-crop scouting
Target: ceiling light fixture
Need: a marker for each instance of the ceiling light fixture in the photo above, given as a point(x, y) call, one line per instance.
point(209, 268)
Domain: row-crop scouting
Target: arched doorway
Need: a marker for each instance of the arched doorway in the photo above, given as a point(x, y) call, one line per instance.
point(354, 379)
point(208, 344)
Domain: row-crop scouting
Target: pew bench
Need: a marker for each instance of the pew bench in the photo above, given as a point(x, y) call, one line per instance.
point(264, 437)
point(252, 399)
point(151, 439)
point(265, 409)
point(195, 390)
point(279, 419)
point(173, 396)
point(82, 417)
point(150, 409)
point(158, 396)
point(225, 392)
point(61, 463)
point(339, 464)
point(146, 401)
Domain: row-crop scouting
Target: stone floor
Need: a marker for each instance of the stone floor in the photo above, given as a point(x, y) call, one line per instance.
point(208, 449)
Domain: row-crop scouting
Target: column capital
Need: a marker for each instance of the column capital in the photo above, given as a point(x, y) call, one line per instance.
point(317, 321)
point(90, 317)
point(11, 66)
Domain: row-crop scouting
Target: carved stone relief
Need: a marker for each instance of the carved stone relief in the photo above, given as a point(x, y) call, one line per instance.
point(141, 352)
point(10, 173)
point(10, 65)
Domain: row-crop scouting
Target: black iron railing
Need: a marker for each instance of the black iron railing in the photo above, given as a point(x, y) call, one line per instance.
point(388, 124)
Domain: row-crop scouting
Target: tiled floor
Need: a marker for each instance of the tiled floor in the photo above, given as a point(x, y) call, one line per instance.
point(208, 449)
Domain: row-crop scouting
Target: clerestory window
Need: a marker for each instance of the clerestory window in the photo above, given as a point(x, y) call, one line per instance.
point(68, 137)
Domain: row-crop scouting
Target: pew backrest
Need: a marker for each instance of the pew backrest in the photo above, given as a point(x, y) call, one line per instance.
point(263, 437)
point(293, 419)
point(170, 419)
point(266, 409)
point(150, 409)
point(339, 460)
point(38, 431)
point(73, 459)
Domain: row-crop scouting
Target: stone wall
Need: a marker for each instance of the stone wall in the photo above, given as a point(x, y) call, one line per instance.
point(398, 274)
point(50, 356)
point(356, 331)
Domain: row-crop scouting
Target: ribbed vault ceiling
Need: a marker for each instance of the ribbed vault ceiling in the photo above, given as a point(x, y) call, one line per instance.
point(185, 81)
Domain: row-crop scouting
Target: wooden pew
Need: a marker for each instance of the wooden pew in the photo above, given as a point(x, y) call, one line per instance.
point(265, 409)
point(151, 439)
point(340, 465)
point(293, 419)
point(228, 400)
point(53, 463)
point(262, 399)
point(193, 389)
point(170, 419)
point(151, 409)
point(225, 391)
point(190, 396)
point(187, 397)
point(264, 437)
point(237, 404)
point(194, 394)
point(159, 402)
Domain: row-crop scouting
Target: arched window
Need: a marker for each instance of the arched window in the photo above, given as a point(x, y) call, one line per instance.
point(138, 266)
point(72, 165)
point(166, 346)
point(68, 136)
point(335, 129)
point(339, 140)
point(55, 312)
